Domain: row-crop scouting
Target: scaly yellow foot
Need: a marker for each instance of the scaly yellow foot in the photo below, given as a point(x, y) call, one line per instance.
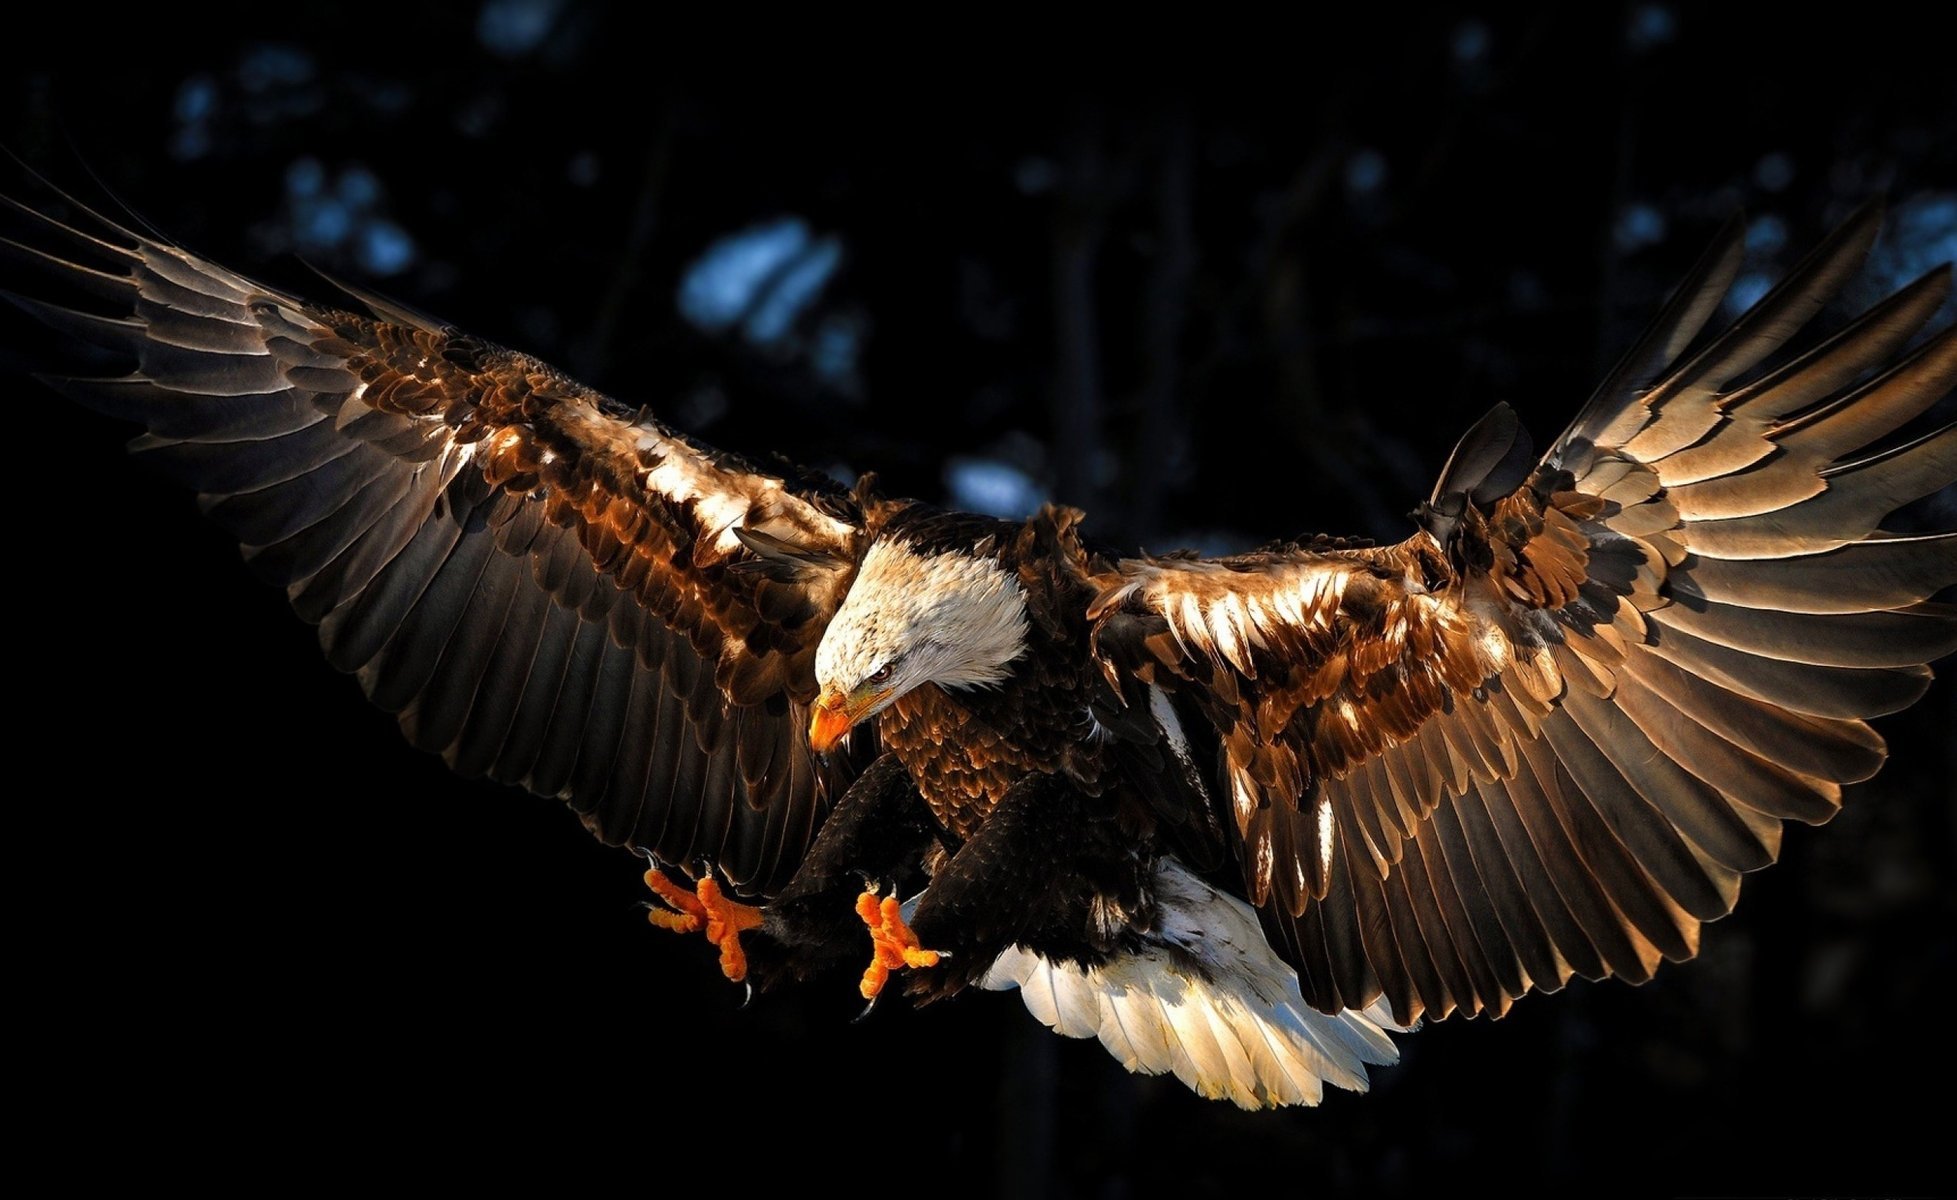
point(707, 905)
point(893, 945)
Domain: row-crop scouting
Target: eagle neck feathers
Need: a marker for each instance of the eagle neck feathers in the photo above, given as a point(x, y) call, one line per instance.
point(966, 746)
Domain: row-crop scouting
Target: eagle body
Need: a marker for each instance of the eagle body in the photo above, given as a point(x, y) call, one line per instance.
point(1082, 832)
point(1240, 818)
point(966, 747)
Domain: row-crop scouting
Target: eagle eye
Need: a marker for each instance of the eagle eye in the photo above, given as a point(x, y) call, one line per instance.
point(880, 675)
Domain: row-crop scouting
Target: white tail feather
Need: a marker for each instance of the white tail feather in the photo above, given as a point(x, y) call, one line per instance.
point(1208, 999)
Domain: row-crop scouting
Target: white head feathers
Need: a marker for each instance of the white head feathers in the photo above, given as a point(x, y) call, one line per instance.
point(949, 618)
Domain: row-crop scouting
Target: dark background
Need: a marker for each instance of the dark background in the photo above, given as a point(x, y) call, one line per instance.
point(1214, 297)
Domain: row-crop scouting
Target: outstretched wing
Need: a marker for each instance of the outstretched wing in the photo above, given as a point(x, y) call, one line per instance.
point(1546, 735)
point(548, 588)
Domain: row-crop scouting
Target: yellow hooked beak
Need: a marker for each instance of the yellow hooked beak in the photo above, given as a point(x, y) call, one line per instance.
point(835, 713)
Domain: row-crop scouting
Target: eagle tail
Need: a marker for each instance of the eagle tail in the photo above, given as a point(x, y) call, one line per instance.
point(1208, 999)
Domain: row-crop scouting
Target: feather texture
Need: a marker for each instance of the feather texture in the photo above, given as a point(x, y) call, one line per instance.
point(1207, 1000)
point(1560, 722)
point(536, 580)
point(1545, 736)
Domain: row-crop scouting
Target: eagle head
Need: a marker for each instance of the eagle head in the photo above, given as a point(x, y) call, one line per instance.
point(950, 617)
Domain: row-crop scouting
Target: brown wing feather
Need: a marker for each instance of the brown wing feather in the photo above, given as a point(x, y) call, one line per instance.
point(549, 589)
point(1547, 735)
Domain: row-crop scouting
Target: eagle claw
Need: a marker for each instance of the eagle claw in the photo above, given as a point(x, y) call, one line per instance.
point(894, 946)
point(706, 905)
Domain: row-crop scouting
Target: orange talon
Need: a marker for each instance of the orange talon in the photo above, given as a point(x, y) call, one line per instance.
point(893, 944)
point(686, 913)
point(725, 920)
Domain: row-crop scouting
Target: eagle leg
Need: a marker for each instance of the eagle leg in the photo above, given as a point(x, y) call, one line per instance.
point(706, 905)
point(894, 946)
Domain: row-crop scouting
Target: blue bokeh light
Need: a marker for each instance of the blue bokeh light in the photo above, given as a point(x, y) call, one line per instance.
point(992, 487)
point(1652, 25)
point(1471, 41)
point(1365, 171)
point(1747, 290)
point(1919, 236)
point(1767, 235)
point(358, 186)
point(305, 177)
point(1638, 225)
point(384, 248)
point(834, 350)
point(196, 98)
point(269, 65)
point(512, 28)
point(796, 287)
point(763, 278)
point(321, 223)
point(1774, 171)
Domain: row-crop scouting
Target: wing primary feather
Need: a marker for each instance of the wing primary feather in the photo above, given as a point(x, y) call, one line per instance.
point(304, 555)
point(1693, 302)
point(551, 771)
point(1837, 362)
point(1867, 576)
point(1418, 922)
point(1506, 893)
point(1736, 772)
point(1472, 899)
point(1636, 851)
point(115, 287)
point(1835, 695)
point(680, 812)
point(603, 730)
point(516, 757)
point(1908, 637)
point(414, 649)
point(507, 679)
point(1569, 846)
point(1534, 850)
point(627, 802)
point(442, 708)
point(1436, 882)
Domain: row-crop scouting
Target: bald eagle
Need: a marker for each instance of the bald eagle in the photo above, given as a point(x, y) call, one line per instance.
point(1240, 818)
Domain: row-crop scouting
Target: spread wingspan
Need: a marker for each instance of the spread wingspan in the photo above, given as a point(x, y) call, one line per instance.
point(550, 589)
point(1546, 735)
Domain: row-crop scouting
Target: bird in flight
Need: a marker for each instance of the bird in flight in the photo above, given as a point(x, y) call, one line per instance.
point(1240, 818)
